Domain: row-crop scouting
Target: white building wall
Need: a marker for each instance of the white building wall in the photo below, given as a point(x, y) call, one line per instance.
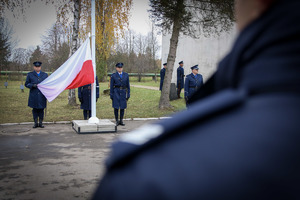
point(206, 52)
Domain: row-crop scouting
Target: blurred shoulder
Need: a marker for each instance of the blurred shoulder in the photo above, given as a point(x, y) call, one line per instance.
point(114, 74)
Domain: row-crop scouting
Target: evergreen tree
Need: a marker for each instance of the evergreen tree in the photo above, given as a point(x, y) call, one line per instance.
point(37, 55)
point(6, 44)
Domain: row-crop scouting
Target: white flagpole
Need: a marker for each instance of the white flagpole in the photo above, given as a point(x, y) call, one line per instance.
point(93, 119)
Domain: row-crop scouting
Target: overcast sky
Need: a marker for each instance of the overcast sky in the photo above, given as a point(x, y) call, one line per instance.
point(40, 17)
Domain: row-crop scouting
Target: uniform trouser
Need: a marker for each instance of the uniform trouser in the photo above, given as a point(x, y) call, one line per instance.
point(38, 113)
point(178, 92)
point(186, 102)
point(116, 111)
point(87, 113)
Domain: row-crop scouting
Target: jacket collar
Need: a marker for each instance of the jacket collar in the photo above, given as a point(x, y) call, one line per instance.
point(36, 74)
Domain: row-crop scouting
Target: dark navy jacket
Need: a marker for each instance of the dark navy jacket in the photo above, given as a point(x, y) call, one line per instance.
point(84, 93)
point(192, 84)
point(162, 77)
point(119, 90)
point(36, 98)
point(180, 77)
point(240, 137)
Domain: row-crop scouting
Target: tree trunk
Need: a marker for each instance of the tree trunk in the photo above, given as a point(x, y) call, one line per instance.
point(72, 95)
point(164, 102)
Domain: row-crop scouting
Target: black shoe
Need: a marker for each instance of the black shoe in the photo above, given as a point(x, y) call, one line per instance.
point(35, 125)
point(41, 125)
point(121, 123)
point(117, 123)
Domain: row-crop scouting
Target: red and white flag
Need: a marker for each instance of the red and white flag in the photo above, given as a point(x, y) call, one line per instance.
point(75, 72)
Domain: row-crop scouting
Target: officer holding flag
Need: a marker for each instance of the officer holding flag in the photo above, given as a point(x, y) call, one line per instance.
point(37, 101)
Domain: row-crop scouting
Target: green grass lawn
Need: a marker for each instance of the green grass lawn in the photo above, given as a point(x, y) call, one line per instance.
point(143, 103)
point(146, 81)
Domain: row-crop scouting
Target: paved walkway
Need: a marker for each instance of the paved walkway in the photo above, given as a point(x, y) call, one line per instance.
point(54, 162)
point(145, 87)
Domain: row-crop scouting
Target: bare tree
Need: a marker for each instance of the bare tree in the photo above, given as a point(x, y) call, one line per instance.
point(53, 38)
point(21, 57)
point(138, 53)
point(55, 46)
point(74, 47)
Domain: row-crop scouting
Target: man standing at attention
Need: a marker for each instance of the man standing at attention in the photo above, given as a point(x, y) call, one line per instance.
point(162, 76)
point(84, 96)
point(37, 101)
point(180, 78)
point(193, 82)
point(119, 92)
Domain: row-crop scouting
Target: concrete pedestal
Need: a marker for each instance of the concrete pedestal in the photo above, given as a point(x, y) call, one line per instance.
point(103, 126)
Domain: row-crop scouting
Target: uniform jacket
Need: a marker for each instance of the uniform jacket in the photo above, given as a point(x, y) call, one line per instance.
point(119, 90)
point(84, 93)
point(192, 84)
point(180, 77)
point(36, 98)
point(162, 77)
point(240, 137)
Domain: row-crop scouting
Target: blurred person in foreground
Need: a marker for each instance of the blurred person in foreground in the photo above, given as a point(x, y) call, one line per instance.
point(240, 137)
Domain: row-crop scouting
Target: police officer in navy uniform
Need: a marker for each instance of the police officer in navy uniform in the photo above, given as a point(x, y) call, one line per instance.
point(119, 92)
point(84, 96)
point(37, 101)
point(239, 139)
point(192, 83)
point(180, 78)
point(162, 76)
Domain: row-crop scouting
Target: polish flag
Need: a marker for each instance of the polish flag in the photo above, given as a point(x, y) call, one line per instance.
point(75, 72)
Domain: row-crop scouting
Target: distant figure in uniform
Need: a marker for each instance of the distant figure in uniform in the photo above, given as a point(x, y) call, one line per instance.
point(37, 101)
point(84, 96)
point(119, 92)
point(180, 78)
point(162, 76)
point(240, 137)
point(192, 83)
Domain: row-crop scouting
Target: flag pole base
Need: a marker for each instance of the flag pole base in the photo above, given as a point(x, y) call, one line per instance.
point(93, 120)
point(103, 126)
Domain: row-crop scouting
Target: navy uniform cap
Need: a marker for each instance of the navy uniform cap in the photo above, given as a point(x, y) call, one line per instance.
point(195, 67)
point(181, 62)
point(119, 65)
point(165, 64)
point(37, 63)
